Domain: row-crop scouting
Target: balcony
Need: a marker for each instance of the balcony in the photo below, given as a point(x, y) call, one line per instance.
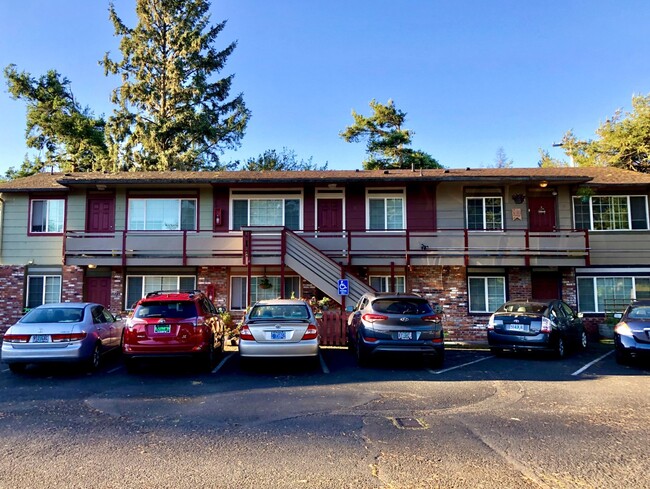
point(264, 245)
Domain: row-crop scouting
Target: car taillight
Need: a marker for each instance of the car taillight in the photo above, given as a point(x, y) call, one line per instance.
point(16, 338)
point(373, 317)
point(623, 329)
point(433, 319)
point(494, 322)
point(245, 334)
point(311, 333)
point(65, 338)
point(547, 325)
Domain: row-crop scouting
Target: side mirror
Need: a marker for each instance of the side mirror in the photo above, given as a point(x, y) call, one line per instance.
point(117, 317)
point(580, 315)
point(618, 315)
point(221, 310)
point(349, 308)
point(318, 315)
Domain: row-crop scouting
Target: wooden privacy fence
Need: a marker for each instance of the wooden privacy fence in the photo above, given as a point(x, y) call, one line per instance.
point(332, 328)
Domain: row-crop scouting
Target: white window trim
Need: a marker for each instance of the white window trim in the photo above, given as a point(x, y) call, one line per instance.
point(386, 193)
point(44, 277)
point(594, 280)
point(387, 278)
point(245, 278)
point(487, 302)
point(127, 307)
point(47, 216)
point(483, 198)
point(179, 199)
point(629, 214)
point(280, 195)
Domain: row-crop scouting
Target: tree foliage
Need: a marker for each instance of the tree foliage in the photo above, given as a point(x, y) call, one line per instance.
point(623, 141)
point(67, 136)
point(501, 159)
point(284, 160)
point(386, 139)
point(172, 113)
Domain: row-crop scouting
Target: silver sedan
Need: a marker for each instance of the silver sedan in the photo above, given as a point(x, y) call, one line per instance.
point(63, 332)
point(279, 328)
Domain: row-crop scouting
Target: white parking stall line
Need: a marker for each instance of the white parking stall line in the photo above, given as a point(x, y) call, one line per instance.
point(113, 370)
point(438, 372)
point(323, 365)
point(579, 371)
point(5, 370)
point(222, 362)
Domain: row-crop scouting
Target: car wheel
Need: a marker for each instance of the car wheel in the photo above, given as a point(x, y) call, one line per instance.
point(17, 368)
point(361, 354)
point(95, 358)
point(583, 340)
point(622, 357)
point(497, 352)
point(437, 361)
point(131, 365)
point(350, 343)
point(206, 360)
point(560, 348)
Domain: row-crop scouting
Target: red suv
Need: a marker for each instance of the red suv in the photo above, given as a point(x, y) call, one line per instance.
point(174, 324)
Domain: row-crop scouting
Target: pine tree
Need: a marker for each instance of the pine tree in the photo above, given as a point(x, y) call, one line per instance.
point(172, 111)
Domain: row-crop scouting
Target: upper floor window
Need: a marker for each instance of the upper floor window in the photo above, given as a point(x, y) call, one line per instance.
point(266, 211)
point(386, 210)
point(162, 214)
point(611, 212)
point(46, 215)
point(485, 213)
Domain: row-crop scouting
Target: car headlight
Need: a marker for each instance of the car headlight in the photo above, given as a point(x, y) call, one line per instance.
point(623, 329)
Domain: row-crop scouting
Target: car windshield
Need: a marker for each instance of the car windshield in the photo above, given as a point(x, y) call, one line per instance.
point(281, 311)
point(642, 312)
point(525, 307)
point(166, 309)
point(402, 306)
point(54, 315)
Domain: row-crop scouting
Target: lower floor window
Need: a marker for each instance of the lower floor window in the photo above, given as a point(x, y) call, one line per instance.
point(610, 294)
point(137, 286)
point(262, 288)
point(43, 289)
point(486, 294)
point(382, 283)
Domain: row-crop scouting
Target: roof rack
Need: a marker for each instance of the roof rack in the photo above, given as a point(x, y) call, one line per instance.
point(162, 292)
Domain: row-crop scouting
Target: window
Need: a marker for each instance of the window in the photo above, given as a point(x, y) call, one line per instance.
point(266, 212)
point(42, 289)
point(611, 213)
point(486, 294)
point(261, 291)
point(47, 215)
point(610, 294)
point(162, 214)
point(137, 286)
point(385, 210)
point(382, 283)
point(484, 213)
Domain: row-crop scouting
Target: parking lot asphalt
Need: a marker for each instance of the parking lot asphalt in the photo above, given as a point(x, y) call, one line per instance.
point(513, 421)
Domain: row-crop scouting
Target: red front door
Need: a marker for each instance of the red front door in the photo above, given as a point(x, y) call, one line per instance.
point(98, 289)
point(545, 285)
point(541, 213)
point(100, 217)
point(330, 215)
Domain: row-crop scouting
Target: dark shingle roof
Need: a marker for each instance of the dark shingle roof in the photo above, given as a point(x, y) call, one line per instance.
point(592, 176)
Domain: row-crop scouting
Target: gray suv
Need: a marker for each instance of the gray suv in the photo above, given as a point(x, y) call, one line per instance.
point(391, 323)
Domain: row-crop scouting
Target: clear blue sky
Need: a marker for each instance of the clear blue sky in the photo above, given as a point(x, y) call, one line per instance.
point(472, 75)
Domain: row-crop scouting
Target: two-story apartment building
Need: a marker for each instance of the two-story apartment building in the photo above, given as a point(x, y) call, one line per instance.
point(468, 239)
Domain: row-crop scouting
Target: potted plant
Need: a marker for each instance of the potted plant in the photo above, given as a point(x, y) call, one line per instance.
point(265, 283)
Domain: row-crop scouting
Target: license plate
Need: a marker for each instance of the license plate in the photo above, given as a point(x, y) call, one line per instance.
point(404, 335)
point(41, 338)
point(162, 328)
point(278, 335)
point(517, 327)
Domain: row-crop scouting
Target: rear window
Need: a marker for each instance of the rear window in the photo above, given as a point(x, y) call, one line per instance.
point(166, 309)
point(523, 307)
point(283, 311)
point(54, 315)
point(402, 306)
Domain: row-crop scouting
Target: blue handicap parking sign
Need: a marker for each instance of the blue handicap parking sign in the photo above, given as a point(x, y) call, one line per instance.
point(344, 288)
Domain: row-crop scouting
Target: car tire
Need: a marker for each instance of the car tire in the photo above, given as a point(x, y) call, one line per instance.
point(560, 348)
point(622, 357)
point(17, 368)
point(361, 354)
point(436, 361)
point(206, 360)
point(497, 352)
point(583, 340)
point(94, 361)
point(131, 365)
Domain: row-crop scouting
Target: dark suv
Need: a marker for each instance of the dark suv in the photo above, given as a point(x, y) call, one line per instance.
point(383, 322)
point(174, 324)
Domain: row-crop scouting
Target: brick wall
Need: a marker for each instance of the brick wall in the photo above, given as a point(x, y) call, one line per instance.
point(214, 280)
point(72, 284)
point(12, 298)
point(117, 291)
